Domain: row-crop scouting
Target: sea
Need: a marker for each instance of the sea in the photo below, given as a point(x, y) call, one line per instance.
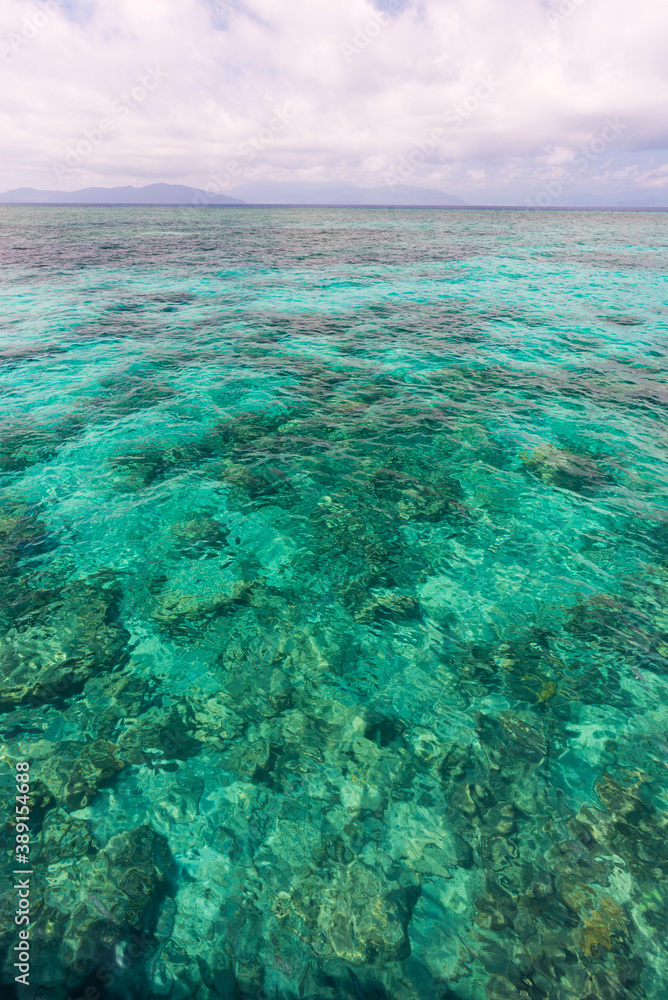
point(334, 603)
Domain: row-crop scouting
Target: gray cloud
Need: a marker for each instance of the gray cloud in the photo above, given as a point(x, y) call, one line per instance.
point(367, 84)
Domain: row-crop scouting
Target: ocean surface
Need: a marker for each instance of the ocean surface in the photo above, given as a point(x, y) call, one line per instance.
point(334, 558)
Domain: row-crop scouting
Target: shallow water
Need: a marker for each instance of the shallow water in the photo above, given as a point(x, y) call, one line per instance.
point(334, 556)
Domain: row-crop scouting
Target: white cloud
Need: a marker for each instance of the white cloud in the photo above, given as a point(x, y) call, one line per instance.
point(365, 87)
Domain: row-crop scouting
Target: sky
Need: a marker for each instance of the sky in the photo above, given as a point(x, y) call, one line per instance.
point(495, 101)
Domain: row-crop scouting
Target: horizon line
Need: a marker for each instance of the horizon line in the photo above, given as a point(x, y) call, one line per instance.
point(240, 204)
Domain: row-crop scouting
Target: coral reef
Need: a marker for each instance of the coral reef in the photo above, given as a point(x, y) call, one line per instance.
point(334, 622)
point(53, 650)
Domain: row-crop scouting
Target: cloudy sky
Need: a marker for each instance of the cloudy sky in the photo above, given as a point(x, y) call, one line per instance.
point(495, 101)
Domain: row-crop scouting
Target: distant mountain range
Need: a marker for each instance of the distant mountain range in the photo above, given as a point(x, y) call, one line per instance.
point(623, 199)
point(152, 194)
point(253, 193)
point(296, 193)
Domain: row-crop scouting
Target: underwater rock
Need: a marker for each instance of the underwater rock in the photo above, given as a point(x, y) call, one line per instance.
point(177, 975)
point(440, 927)
point(526, 668)
point(513, 737)
point(471, 442)
point(268, 634)
point(25, 444)
point(22, 536)
point(54, 651)
point(91, 901)
point(198, 537)
point(618, 625)
point(418, 500)
point(157, 736)
point(134, 470)
point(109, 697)
point(191, 597)
point(355, 530)
point(243, 436)
point(419, 838)
point(602, 921)
point(567, 470)
point(597, 617)
point(63, 837)
point(633, 827)
point(194, 946)
point(69, 772)
point(387, 605)
point(361, 550)
point(258, 484)
point(126, 393)
point(95, 764)
point(352, 915)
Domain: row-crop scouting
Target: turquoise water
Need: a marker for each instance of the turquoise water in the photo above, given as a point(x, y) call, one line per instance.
point(334, 555)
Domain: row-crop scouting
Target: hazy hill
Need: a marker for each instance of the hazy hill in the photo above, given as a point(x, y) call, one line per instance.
point(296, 193)
point(151, 194)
